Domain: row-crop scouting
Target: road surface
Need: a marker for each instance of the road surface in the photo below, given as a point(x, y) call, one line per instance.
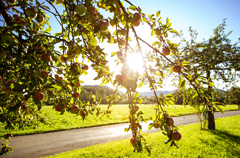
point(32, 146)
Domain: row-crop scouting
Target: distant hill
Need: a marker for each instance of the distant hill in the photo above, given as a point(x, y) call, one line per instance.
point(150, 93)
point(143, 94)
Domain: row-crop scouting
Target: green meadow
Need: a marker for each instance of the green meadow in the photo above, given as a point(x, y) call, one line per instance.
point(54, 121)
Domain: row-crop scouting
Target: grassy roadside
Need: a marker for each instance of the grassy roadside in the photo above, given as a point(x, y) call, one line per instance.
point(56, 122)
point(223, 142)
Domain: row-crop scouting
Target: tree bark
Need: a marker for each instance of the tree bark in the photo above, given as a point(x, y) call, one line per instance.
point(211, 121)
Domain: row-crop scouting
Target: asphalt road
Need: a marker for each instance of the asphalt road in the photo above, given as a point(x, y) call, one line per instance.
point(32, 146)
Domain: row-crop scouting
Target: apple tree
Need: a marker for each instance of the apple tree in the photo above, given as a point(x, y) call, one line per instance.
point(36, 64)
point(215, 59)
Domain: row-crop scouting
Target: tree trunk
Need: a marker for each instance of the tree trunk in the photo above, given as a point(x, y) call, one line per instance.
point(211, 121)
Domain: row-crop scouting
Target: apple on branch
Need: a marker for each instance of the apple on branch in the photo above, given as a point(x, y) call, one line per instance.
point(103, 25)
point(134, 141)
point(177, 68)
point(165, 51)
point(38, 96)
point(80, 9)
point(74, 109)
point(136, 22)
point(137, 16)
point(31, 13)
point(176, 135)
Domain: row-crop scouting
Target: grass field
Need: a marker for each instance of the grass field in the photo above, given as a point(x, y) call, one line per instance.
point(221, 143)
point(55, 121)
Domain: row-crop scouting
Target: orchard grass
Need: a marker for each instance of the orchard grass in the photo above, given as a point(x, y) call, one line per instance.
point(56, 122)
point(195, 143)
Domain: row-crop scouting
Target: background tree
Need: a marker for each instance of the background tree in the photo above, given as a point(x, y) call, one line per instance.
point(209, 60)
point(233, 96)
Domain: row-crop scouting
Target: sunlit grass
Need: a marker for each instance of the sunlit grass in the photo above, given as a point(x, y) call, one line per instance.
point(55, 121)
point(195, 143)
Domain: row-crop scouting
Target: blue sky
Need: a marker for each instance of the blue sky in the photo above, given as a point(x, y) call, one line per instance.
point(202, 15)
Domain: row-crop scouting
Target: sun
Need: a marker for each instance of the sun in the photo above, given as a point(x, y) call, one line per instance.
point(135, 62)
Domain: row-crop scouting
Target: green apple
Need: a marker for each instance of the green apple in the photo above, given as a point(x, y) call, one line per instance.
point(80, 9)
point(40, 18)
point(103, 25)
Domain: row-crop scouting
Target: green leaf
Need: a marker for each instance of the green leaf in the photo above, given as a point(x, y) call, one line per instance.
point(150, 126)
point(170, 70)
point(132, 7)
point(93, 41)
point(158, 13)
point(126, 129)
point(174, 31)
point(211, 84)
point(57, 87)
point(48, 30)
point(183, 83)
point(154, 43)
point(139, 100)
point(167, 21)
point(140, 84)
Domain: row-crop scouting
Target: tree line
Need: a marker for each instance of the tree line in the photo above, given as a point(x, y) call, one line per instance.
point(231, 96)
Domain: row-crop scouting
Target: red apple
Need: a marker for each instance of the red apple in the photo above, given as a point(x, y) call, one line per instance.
point(137, 16)
point(38, 96)
point(47, 57)
point(176, 135)
point(74, 109)
point(170, 121)
point(44, 74)
point(57, 108)
point(177, 68)
point(165, 51)
point(134, 141)
point(103, 25)
point(165, 115)
point(136, 22)
point(80, 9)
point(76, 94)
point(85, 67)
point(31, 13)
